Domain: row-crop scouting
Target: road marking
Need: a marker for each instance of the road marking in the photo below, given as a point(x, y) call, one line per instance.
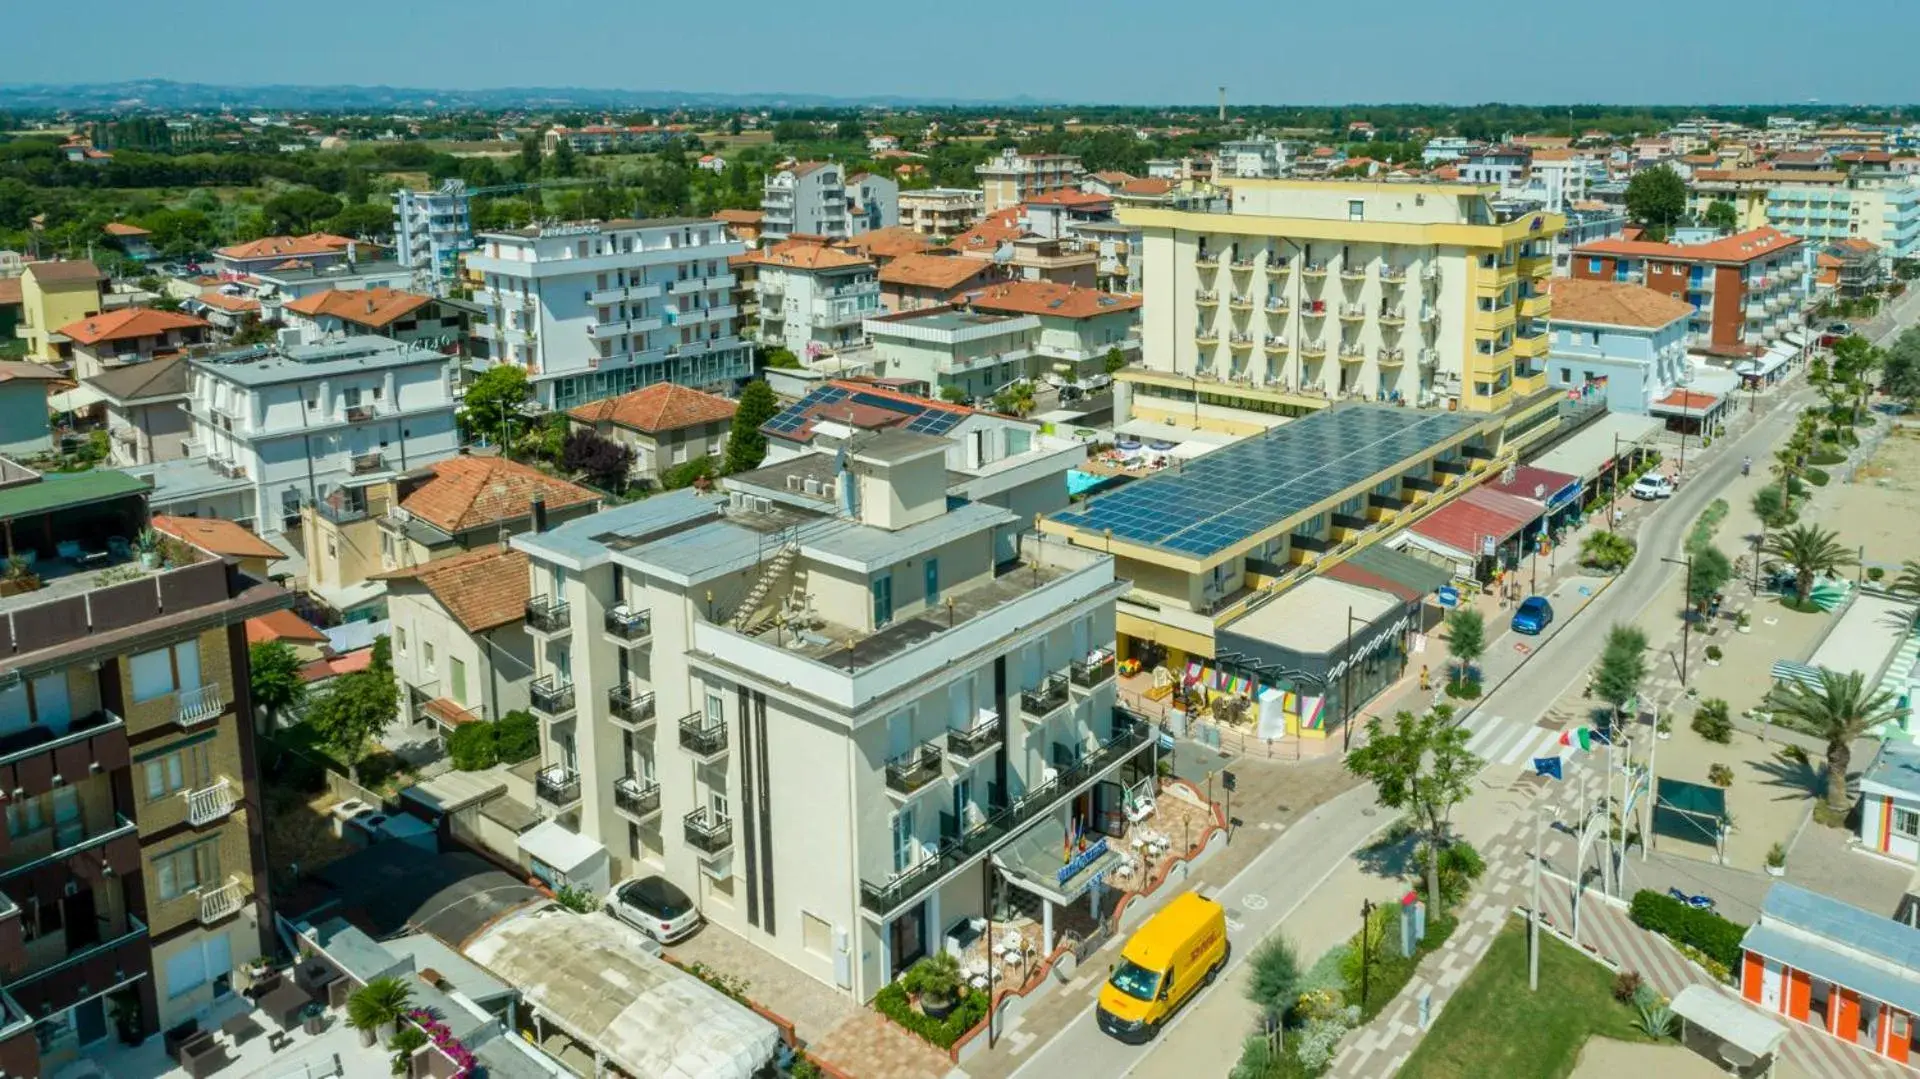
point(1252, 901)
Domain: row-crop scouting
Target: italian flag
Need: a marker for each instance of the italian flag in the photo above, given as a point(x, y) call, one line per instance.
point(1579, 736)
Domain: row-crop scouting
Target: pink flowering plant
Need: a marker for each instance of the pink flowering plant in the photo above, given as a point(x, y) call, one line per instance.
point(441, 1038)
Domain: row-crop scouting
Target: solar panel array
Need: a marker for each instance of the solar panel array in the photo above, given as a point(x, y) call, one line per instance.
point(1230, 494)
point(928, 418)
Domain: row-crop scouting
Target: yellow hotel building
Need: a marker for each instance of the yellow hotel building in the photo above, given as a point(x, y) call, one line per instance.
point(1282, 296)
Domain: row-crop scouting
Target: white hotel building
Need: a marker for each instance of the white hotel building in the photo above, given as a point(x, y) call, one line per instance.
point(833, 704)
point(597, 308)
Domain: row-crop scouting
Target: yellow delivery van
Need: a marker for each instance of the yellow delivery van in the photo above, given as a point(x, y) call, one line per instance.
point(1166, 960)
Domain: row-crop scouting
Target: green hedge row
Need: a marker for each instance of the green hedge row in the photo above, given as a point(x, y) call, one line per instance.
point(893, 1002)
point(1717, 937)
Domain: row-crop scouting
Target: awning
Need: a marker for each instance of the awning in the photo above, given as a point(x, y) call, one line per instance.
point(1588, 452)
point(1786, 670)
point(553, 844)
point(1039, 861)
point(78, 399)
point(1761, 366)
point(1730, 1020)
point(1687, 404)
point(1796, 338)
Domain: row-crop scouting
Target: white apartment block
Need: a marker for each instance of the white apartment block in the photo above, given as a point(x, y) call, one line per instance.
point(1256, 158)
point(813, 297)
point(818, 198)
point(300, 424)
point(1014, 177)
point(942, 211)
point(598, 308)
point(842, 713)
point(430, 231)
point(1444, 148)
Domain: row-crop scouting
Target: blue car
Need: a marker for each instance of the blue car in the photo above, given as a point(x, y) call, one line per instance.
point(1534, 616)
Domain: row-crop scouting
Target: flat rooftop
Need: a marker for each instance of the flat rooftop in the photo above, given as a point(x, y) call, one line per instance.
point(266, 365)
point(948, 320)
point(1311, 618)
point(1255, 484)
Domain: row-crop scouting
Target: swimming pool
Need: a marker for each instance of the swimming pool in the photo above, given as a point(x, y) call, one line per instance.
point(1080, 483)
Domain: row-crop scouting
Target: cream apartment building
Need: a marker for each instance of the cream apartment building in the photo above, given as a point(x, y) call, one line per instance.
point(828, 704)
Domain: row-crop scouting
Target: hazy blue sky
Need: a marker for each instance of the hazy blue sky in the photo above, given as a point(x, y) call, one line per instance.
point(1677, 51)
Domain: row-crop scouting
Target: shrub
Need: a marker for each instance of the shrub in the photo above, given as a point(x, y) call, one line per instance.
point(1320, 1040)
point(1817, 476)
point(1714, 653)
point(577, 900)
point(1606, 551)
point(1275, 981)
point(1714, 937)
point(1777, 855)
point(402, 1044)
point(1720, 775)
point(892, 1002)
point(935, 979)
point(1464, 691)
point(1625, 984)
point(1875, 574)
point(1711, 721)
point(1460, 866)
point(1657, 1021)
point(473, 747)
point(1644, 996)
point(516, 736)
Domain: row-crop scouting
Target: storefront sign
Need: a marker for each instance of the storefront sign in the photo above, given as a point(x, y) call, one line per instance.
point(1082, 860)
point(1447, 596)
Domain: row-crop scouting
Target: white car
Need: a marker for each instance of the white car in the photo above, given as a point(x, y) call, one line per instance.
point(655, 907)
point(1653, 485)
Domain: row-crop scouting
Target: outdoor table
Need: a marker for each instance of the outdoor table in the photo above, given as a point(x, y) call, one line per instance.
point(284, 1002)
point(240, 1027)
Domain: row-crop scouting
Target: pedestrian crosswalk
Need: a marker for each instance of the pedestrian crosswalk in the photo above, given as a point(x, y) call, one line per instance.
point(1503, 742)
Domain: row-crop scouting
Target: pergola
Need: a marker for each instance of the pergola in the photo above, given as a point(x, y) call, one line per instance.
point(1747, 1036)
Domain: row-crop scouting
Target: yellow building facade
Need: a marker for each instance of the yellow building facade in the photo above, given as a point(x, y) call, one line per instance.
point(53, 294)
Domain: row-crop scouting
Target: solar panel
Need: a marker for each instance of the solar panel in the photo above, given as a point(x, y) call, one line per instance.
point(927, 418)
point(1236, 491)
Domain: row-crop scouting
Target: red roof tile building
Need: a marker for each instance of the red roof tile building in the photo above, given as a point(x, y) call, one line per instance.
point(1747, 289)
point(129, 335)
point(666, 425)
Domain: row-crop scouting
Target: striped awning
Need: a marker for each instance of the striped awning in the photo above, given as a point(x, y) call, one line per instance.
point(1786, 670)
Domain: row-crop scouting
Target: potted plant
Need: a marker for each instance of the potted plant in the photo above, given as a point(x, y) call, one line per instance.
point(375, 1009)
point(1663, 730)
point(936, 981)
point(124, 1010)
point(1777, 861)
point(148, 544)
point(19, 576)
point(1720, 775)
point(1714, 655)
point(1743, 622)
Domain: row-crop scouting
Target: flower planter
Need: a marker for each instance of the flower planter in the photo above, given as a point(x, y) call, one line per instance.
point(1776, 871)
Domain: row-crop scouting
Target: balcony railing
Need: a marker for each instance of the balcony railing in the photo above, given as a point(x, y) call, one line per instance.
point(636, 798)
point(192, 707)
point(1204, 257)
point(361, 413)
point(1277, 305)
point(1206, 297)
point(701, 738)
point(209, 804)
point(558, 786)
point(362, 463)
point(981, 738)
point(551, 697)
point(913, 769)
point(1095, 670)
point(708, 832)
point(546, 615)
point(629, 625)
point(219, 903)
point(1276, 343)
point(630, 706)
point(883, 898)
point(1041, 701)
point(1393, 275)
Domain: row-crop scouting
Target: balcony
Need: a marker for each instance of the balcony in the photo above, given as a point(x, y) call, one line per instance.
point(630, 708)
point(551, 697)
point(1094, 671)
point(705, 741)
point(1313, 350)
point(1204, 257)
point(908, 773)
point(548, 616)
point(1316, 309)
point(1277, 305)
point(1353, 274)
point(1043, 700)
point(557, 786)
point(709, 832)
point(1313, 269)
point(635, 798)
point(1428, 357)
point(1241, 302)
point(1206, 297)
point(361, 413)
point(1392, 357)
point(220, 903)
point(1242, 263)
point(881, 899)
point(1352, 353)
point(1353, 312)
point(1206, 336)
point(1240, 340)
point(1392, 316)
point(1430, 273)
point(1393, 275)
point(35, 759)
point(210, 803)
point(629, 626)
point(1275, 343)
point(192, 707)
point(969, 745)
point(361, 464)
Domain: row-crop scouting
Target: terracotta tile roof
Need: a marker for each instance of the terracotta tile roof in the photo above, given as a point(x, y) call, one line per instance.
point(1740, 247)
point(374, 308)
point(448, 713)
point(358, 660)
point(806, 253)
point(129, 323)
point(740, 217)
point(10, 291)
point(122, 229)
point(481, 589)
point(663, 406)
point(1687, 401)
point(282, 625)
point(1777, 176)
point(1048, 298)
point(932, 271)
point(1069, 197)
point(1146, 187)
point(217, 536)
point(1113, 176)
point(1855, 245)
point(891, 242)
point(1001, 226)
point(315, 243)
point(1613, 303)
point(236, 304)
point(469, 492)
point(66, 271)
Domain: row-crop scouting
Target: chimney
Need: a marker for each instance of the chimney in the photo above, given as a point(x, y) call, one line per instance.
point(538, 507)
point(849, 493)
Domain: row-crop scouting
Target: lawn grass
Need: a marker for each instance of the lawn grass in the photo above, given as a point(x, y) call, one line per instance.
point(1495, 1026)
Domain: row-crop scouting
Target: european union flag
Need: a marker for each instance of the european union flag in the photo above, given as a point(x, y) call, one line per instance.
point(1547, 766)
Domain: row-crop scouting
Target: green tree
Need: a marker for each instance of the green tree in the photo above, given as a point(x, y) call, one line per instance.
point(1623, 666)
point(530, 156)
point(1811, 551)
point(1466, 641)
point(849, 130)
point(378, 1004)
point(1908, 581)
point(363, 220)
point(1015, 400)
point(1711, 571)
point(490, 409)
point(1900, 370)
point(1274, 982)
point(953, 394)
point(1607, 551)
point(274, 673)
point(1419, 766)
point(252, 331)
point(1657, 199)
point(300, 211)
point(1722, 216)
point(746, 446)
point(1842, 708)
point(782, 359)
point(1115, 361)
point(355, 710)
point(1773, 507)
point(561, 162)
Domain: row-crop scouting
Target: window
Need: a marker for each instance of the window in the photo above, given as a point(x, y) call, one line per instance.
point(426, 655)
point(25, 816)
point(816, 936)
point(166, 775)
point(715, 707)
point(163, 670)
point(1593, 266)
point(400, 641)
point(1356, 210)
point(457, 674)
point(1906, 823)
point(185, 870)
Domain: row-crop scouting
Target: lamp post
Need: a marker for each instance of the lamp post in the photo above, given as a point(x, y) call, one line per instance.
point(1686, 618)
point(1346, 688)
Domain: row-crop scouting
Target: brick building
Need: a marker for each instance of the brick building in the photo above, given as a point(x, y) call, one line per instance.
point(1747, 290)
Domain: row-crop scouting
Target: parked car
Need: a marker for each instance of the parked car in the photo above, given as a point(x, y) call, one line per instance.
point(1653, 485)
point(655, 907)
point(1534, 615)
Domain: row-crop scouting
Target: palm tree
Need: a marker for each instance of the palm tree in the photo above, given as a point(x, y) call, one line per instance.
point(1842, 708)
point(1908, 581)
point(378, 1005)
point(1811, 551)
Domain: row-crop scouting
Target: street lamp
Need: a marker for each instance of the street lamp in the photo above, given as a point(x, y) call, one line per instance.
point(1686, 618)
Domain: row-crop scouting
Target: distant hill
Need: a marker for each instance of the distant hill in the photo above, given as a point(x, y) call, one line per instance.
point(164, 95)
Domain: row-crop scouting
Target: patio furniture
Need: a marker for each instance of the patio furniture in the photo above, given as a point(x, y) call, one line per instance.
point(284, 1003)
point(68, 549)
point(202, 1055)
point(177, 1036)
point(314, 975)
point(278, 1040)
point(241, 1028)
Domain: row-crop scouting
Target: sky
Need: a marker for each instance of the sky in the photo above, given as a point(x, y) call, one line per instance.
point(1095, 51)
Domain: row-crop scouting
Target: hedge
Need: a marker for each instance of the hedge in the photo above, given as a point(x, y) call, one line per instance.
point(892, 1001)
point(517, 736)
point(1716, 937)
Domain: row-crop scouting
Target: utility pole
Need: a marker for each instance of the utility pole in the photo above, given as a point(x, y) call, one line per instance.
point(1686, 618)
point(1366, 914)
point(1533, 922)
point(1346, 689)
